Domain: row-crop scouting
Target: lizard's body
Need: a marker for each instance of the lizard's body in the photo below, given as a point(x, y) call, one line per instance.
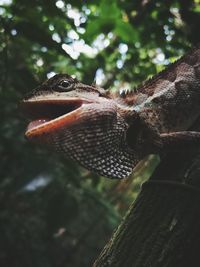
point(111, 133)
point(171, 99)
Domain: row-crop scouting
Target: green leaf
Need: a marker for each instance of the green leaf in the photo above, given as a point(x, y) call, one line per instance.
point(110, 11)
point(125, 31)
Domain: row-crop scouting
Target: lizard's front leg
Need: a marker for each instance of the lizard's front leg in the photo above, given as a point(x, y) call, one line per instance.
point(168, 141)
point(184, 139)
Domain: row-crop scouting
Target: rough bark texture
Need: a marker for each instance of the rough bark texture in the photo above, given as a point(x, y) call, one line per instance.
point(162, 228)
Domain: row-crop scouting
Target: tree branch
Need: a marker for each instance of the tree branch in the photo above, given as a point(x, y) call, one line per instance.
point(161, 228)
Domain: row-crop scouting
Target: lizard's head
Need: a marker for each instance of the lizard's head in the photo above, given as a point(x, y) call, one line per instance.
point(82, 121)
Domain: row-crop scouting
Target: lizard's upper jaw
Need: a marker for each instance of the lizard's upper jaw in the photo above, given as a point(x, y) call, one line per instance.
point(48, 115)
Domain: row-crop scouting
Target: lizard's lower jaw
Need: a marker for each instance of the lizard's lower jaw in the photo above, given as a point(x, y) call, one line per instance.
point(50, 115)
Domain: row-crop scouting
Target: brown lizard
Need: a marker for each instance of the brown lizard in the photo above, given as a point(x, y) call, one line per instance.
point(110, 133)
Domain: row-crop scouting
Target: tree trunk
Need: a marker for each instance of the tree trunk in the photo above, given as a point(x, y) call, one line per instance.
point(162, 228)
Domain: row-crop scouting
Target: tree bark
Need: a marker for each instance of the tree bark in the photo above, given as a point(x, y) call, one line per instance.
point(162, 227)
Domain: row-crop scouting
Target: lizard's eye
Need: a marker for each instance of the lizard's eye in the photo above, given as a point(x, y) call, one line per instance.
point(64, 86)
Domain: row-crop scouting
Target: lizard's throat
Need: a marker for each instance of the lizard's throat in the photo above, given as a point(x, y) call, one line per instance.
point(91, 134)
point(97, 146)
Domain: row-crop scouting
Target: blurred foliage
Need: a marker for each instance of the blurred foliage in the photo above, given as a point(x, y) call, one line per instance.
point(54, 213)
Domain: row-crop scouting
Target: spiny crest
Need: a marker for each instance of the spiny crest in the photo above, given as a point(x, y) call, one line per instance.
point(126, 92)
point(170, 73)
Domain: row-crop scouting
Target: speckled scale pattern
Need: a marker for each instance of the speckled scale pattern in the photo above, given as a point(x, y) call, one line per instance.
point(113, 133)
point(172, 96)
point(97, 146)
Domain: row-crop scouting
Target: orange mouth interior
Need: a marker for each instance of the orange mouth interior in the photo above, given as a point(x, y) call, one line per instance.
point(47, 116)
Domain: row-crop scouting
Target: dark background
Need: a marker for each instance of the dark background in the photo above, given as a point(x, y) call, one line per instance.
point(52, 212)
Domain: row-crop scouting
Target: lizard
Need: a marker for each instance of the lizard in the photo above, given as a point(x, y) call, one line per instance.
point(110, 133)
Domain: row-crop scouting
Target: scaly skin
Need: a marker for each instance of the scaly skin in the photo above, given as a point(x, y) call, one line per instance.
point(110, 133)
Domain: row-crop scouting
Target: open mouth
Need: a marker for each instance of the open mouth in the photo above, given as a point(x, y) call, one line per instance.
point(48, 115)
